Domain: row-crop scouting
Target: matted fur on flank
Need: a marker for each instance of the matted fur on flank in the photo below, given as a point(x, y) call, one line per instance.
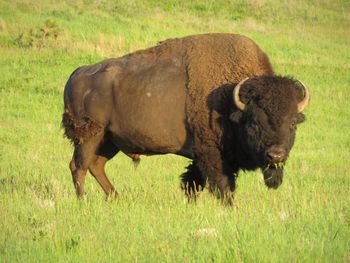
point(80, 132)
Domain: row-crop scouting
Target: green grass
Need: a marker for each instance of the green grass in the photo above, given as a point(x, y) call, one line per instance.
point(306, 220)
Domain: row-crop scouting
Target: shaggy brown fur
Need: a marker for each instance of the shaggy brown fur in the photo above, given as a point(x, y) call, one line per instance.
point(212, 63)
point(193, 181)
point(263, 92)
point(80, 132)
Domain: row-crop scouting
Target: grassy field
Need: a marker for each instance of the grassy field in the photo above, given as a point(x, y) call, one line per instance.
point(306, 220)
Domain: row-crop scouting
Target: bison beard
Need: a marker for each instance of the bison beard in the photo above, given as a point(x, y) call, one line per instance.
point(273, 177)
point(212, 98)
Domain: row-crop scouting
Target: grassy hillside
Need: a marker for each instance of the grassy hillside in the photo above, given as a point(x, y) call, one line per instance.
point(306, 220)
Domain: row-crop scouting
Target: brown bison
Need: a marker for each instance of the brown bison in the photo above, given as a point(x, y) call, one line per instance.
point(212, 98)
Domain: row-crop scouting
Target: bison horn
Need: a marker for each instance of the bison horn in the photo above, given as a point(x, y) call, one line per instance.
point(240, 105)
point(302, 105)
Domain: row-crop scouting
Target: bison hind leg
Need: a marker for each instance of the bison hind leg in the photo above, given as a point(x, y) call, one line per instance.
point(193, 181)
point(105, 152)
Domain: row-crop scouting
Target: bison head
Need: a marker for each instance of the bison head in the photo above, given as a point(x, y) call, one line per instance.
point(268, 111)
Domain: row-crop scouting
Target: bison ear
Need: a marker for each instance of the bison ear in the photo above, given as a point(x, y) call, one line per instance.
point(300, 118)
point(235, 116)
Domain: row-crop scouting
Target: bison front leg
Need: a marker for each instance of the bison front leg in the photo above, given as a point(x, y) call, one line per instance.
point(223, 185)
point(193, 181)
point(220, 175)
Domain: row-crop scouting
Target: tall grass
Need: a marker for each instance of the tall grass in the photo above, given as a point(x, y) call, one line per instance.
point(306, 220)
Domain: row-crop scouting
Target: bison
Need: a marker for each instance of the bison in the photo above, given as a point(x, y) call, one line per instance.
point(212, 98)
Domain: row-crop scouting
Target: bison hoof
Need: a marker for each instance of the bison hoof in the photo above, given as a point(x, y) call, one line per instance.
point(228, 199)
point(191, 190)
point(112, 196)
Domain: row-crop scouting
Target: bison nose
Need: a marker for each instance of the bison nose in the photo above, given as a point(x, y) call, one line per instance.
point(275, 154)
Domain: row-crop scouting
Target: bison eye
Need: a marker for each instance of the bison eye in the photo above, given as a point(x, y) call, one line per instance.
point(255, 125)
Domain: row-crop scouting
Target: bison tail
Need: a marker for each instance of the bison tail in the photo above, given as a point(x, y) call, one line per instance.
point(79, 130)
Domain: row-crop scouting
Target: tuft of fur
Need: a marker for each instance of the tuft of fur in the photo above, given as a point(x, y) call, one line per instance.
point(79, 132)
point(192, 181)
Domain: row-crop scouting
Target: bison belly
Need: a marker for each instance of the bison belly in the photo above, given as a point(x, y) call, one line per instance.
point(149, 110)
